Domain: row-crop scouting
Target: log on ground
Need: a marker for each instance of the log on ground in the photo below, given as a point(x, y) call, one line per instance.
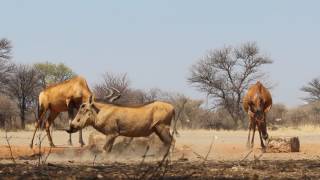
point(283, 145)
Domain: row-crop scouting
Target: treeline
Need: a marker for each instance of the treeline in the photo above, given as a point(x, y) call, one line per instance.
point(223, 75)
point(21, 84)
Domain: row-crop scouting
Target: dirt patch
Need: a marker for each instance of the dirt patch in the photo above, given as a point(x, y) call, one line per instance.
point(24, 151)
point(229, 158)
point(302, 169)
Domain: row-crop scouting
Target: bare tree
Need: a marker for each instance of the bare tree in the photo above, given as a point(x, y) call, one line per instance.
point(6, 66)
point(119, 82)
point(225, 74)
point(155, 94)
point(129, 95)
point(8, 110)
point(5, 49)
point(313, 90)
point(24, 87)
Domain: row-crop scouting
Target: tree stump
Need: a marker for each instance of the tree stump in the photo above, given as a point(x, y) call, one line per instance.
point(283, 145)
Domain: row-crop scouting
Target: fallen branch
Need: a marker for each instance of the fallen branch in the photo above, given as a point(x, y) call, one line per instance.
point(205, 159)
point(246, 156)
point(198, 155)
point(46, 158)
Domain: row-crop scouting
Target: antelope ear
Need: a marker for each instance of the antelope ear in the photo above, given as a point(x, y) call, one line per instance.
point(91, 103)
point(91, 100)
point(267, 109)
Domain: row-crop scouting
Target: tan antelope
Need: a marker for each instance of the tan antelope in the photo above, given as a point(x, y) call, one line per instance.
point(61, 97)
point(257, 102)
point(130, 121)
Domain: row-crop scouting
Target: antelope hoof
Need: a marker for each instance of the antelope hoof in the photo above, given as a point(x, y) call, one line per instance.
point(31, 146)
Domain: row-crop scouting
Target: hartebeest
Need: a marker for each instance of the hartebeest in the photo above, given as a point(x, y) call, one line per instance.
point(65, 96)
point(130, 121)
point(61, 97)
point(257, 102)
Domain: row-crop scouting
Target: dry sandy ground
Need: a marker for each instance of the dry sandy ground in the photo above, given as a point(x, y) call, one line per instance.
point(226, 145)
point(226, 158)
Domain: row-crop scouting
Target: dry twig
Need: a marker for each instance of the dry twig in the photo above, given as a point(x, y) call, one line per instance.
point(9, 145)
point(94, 159)
point(246, 156)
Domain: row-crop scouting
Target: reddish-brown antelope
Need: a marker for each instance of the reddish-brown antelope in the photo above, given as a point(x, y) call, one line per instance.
point(61, 97)
point(257, 102)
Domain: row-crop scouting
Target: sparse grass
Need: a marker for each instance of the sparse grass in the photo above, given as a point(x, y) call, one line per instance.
point(204, 132)
point(304, 128)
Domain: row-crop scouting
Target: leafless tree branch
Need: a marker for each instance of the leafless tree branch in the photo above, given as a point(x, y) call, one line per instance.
point(6, 66)
point(313, 90)
point(112, 88)
point(225, 74)
point(24, 87)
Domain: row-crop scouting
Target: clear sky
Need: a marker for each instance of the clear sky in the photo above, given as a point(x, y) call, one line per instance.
point(156, 42)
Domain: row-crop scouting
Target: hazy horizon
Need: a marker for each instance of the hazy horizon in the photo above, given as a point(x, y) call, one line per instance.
point(157, 42)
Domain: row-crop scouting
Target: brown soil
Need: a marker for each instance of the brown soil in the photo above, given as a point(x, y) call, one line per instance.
point(191, 159)
point(262, 169)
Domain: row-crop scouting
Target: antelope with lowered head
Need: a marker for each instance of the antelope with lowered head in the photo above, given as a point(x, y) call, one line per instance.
point(130, 121)
point(257, 102)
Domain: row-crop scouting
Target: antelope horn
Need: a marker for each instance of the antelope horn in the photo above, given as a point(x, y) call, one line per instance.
point(110, 93)
point(115, 90)
point(115, 97)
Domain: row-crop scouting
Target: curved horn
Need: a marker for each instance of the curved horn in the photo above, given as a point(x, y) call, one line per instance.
point(110, 93)
point(115, 97)
point(115, 90)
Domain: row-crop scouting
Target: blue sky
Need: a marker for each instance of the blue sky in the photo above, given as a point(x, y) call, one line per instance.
point(156, 42)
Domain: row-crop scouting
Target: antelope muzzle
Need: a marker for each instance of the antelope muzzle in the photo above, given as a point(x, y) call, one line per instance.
point(71, 129)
